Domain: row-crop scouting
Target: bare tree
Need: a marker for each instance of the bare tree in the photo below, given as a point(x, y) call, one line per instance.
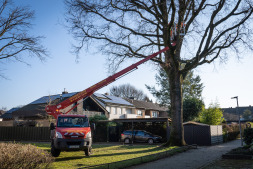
point(134, 28)
point(15, 42)
point(128, 91)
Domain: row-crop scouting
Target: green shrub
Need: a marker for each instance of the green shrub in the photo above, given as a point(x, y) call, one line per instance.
point(21, 156)
point(211, 116)
point(230, 132)
point(97, 118)
point(248, 136)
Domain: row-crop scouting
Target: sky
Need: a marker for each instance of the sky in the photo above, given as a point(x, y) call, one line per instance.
point(61, 71)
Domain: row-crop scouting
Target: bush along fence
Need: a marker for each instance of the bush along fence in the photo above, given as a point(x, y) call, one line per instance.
point(24, 134)
point(231, 132)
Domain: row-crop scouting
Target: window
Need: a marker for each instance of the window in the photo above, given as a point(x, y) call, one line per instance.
point(72, 122)
point(123, 110)
point(75, 109)
point(140, 133)
point(108, 109)
point(129, 111)
point(139, 112)
point(119, 111)
point(113, 110)
point(154, 114)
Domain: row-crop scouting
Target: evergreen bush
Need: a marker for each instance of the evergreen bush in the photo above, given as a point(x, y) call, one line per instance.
point(248, 136)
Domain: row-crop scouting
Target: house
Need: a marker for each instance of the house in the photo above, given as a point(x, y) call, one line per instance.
point(231, 115)
point(101, 104)
point(146, 109)
point(116, 107)
point(8, 115)
point(2, 112)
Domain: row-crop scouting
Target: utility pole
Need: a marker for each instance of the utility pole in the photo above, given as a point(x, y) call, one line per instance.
point(237, 111)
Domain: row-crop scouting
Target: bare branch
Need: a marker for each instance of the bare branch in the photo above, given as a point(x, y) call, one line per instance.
point(15, 41)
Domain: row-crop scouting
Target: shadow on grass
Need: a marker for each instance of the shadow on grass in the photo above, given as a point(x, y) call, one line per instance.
point(69, 158)
point(108, 155)
point(129, 153)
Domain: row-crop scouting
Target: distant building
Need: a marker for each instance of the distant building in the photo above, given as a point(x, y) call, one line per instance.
point(8, 115)
point(145, 109)
point(230, 114)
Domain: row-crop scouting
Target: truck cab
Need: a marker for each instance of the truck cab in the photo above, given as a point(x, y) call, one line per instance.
point(71, 133)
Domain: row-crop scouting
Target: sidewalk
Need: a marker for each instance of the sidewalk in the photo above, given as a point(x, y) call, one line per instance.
point(192, 159)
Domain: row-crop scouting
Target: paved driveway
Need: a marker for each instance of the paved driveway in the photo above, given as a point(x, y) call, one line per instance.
point(192, 159)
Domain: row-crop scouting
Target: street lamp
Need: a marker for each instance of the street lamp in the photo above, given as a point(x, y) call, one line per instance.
point(236, 97)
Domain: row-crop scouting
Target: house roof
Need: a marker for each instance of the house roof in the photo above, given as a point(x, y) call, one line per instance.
point(47, 99)
point(8, 114)
point(31, 111)
point(104, 100)
point(230, 114)
point(147, 105)
point(240, 110)
point(195, 123)
point(36, 109)
point(230, 117)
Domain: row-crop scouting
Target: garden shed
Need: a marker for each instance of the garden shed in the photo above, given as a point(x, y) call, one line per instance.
point(202, 134)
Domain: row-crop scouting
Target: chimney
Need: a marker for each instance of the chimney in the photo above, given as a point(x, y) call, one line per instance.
point(64, 92)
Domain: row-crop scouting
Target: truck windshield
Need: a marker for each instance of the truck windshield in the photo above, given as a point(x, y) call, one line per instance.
point(73, 122)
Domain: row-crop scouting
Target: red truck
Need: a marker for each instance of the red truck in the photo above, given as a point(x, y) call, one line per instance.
point(73, 132)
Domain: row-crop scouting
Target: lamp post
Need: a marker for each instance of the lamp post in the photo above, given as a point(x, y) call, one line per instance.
point(236, 97)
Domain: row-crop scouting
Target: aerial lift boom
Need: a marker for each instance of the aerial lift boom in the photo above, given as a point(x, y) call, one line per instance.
point(54, 110)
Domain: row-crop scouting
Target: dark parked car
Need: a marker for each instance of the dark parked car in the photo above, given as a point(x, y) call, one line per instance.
point(140, 136)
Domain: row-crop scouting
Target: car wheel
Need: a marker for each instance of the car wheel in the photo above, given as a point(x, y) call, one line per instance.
point(88, 151)
point(55, 152)
point(150, 141)
point(127, 141)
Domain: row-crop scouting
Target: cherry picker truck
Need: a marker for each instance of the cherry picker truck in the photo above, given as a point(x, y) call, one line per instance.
point(73, 132)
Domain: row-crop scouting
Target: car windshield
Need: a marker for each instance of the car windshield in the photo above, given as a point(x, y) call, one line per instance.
point(73, 122)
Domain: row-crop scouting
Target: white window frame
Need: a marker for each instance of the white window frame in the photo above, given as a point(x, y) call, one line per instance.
point(139, 112)
point(119, 110)
point(113, 110)
point(154, 114)
point(124, 110)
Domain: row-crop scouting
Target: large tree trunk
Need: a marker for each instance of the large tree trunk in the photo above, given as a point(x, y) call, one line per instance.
point(176, 128)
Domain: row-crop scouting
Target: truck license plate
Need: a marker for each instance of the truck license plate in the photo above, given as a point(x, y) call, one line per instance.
point(74, 146)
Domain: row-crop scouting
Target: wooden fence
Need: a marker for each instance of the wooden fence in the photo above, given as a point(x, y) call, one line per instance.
point(24, 134)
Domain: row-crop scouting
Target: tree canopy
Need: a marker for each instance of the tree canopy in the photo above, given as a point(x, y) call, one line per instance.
point(191, 87)
point(135, 28)
point(247, 114)
point(128, 91)
point(192, 107)
point(15, 41)
point(212, 116)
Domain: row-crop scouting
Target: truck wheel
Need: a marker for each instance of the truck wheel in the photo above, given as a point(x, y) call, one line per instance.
point(88, 151)
point(55, 152)
point(127, 141)
point(150, 141)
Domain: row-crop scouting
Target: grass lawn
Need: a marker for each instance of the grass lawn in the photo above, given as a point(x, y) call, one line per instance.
point(103, 154)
